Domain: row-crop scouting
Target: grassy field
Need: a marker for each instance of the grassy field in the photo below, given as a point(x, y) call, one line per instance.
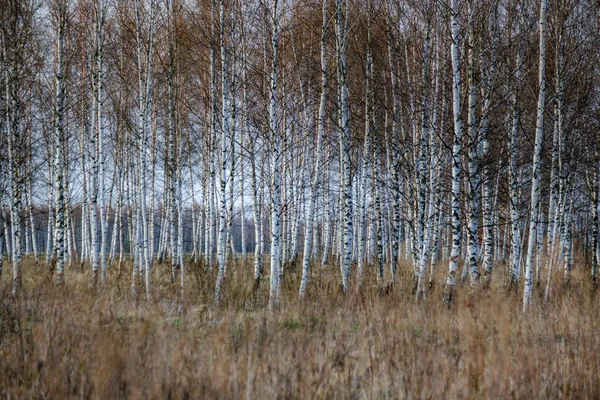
point(75, 341)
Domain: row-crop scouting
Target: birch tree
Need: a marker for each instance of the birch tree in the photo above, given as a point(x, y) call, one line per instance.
point(341, 20)
point(535, 178)
point(313, 193)
point(225, 120)
point(60, 10)
point(456, 150)
point(274, 291)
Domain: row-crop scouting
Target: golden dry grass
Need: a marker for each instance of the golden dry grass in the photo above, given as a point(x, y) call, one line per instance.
point(74, 341)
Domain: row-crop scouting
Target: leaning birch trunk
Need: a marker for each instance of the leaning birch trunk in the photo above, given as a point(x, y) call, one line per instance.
point(513, 179)
point(315, 183)
point(456, 153)
point(274, 291)
point(535, 179)
point(59, 242)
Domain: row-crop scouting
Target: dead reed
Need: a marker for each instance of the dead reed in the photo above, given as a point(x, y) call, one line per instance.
point(77, 341)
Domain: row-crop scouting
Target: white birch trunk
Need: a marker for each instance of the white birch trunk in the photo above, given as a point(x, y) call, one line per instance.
point(59, 242)
point(535, 179)
point(513, 178)
point(14, 182)
point(34, 246)
point(312, 197)
point(145, 82)
point(100, 101)
point(274, 292)
point(425, 200)
point(488, 220)
point(180, 222)
point(222, 242)
point(210, 236)
point(366, 155)
point(595, 203)
point(344, 138)
point(473, 179)
point(456, 152)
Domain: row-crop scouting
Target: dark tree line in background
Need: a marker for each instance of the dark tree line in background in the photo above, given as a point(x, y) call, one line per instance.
point(458, 137)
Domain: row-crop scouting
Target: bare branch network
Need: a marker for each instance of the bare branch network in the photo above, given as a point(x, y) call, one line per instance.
point(460, 139)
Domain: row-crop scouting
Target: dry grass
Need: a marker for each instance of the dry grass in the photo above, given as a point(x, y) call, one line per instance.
point(78, 342)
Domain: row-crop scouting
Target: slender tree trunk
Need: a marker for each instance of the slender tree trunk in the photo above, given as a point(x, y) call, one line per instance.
point(59, 244)
point(513, 178)
point(366, 155)
point(100, 120)
point(473, 179)
point(327, 211)
point(344, 138)
point(488, 220)
point(312, 197)
point(425, 204)
point(210, 236)
point(595, 203)
point(14, 182)
point(172, 163)
point(456, 153)
point(535, 179)
point(274, 291)
point(222, 243)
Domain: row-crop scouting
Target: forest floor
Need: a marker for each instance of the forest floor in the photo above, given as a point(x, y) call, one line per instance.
point(77, 341)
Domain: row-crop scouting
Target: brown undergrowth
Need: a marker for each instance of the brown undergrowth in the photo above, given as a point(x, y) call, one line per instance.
point(77, 341)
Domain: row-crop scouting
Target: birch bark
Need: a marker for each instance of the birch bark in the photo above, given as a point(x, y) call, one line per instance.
point(59, 245)
point(222, 242)
point(312, 197)
point(344, 138)
point(274, 291)
point(456, 153)
point(535, 179)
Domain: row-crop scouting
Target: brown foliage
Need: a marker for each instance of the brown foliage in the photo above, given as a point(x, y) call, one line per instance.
point(75, 341)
